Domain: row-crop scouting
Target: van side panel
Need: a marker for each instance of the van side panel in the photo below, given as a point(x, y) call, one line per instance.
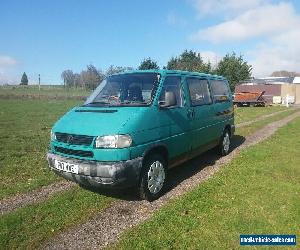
point(179, 141)
point(201, 106)
point(146, 129)
point(168, 127)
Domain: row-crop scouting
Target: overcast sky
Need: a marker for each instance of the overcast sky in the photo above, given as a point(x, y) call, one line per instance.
point(47, 37)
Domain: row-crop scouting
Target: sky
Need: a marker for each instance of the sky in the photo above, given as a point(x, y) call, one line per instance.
point(47, 37)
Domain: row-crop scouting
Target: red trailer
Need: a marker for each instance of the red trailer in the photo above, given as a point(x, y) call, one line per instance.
point(271, 90)
point(249, 99)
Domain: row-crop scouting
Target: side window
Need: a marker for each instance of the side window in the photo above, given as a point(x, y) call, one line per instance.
point(219, 90)
point(199, 91)
point(172, 83)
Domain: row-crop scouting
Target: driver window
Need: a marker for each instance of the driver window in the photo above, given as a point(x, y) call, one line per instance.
point(172, 83)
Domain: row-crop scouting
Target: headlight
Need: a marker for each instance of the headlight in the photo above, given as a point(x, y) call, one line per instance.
point(113, 141)
point(52, 136)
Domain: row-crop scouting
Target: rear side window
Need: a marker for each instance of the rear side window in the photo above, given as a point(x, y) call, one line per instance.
point(199, 91)
point(219, 89)
point(172, 83)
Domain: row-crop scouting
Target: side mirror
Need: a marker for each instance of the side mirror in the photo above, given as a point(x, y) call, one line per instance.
point(170, 100)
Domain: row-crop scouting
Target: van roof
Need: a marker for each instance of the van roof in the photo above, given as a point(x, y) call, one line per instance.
point(164, 72)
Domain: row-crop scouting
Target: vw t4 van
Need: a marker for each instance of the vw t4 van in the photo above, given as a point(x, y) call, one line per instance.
point(137, 125)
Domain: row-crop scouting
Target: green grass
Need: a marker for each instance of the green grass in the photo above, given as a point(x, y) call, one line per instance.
point(45, 91)
point(245, 114)
point(249, 129)
point(24, 138)
point(28, 227)
point(257, 193)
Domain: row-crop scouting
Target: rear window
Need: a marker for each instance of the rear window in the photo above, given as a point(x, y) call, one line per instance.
point(219, 89)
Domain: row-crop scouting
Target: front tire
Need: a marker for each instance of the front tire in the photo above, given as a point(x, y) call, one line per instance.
point(153, 178)
point(225, 142)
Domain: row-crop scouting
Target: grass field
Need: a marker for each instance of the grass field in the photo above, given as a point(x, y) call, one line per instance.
point(24, 136)
point(257, 193)
point(28, 227)
point(245, 114)
point(46, 91)
point(247, 130)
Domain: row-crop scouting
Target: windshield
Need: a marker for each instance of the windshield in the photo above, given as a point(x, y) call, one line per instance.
point(134, 89)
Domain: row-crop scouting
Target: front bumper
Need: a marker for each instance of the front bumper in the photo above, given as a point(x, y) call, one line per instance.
point(100, 174)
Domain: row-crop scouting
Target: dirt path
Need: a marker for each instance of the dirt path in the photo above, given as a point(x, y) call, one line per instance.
point(107, 226)
point(12, 203)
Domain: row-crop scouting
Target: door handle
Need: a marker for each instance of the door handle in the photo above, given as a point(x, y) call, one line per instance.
point(191, 113)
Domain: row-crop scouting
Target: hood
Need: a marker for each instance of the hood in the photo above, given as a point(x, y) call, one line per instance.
point(95, 121)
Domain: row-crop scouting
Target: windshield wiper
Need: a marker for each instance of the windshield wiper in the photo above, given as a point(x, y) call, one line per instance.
point(98, 102)
point(125, 102)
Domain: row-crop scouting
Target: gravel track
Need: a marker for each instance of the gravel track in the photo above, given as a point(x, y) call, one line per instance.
point(107, 226)
point(8, 205)
point(12, 203)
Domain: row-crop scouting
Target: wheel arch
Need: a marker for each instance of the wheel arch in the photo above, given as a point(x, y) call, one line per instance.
point(160, 149)
point(228, 127)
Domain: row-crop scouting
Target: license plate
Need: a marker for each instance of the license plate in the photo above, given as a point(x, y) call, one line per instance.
point(65, 166)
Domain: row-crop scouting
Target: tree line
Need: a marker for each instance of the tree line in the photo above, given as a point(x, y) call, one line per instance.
point(231, 66)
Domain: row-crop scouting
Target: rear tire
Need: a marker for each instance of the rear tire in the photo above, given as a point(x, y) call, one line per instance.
point(153, 178)
point(225, 142)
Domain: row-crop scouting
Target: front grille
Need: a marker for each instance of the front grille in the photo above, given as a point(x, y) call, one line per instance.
point(74, 139)
point(73, 152)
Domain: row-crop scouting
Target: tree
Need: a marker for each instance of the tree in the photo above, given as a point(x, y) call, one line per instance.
point(77, 81)
point(284, 73)
point(68, 77)
point(116, 69)
point(24, 79)
point(148, 63)
point(190, 61)
point(91, 77)
point(234, 68)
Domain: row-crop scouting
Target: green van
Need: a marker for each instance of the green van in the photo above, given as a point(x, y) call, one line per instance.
point(138, 124)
